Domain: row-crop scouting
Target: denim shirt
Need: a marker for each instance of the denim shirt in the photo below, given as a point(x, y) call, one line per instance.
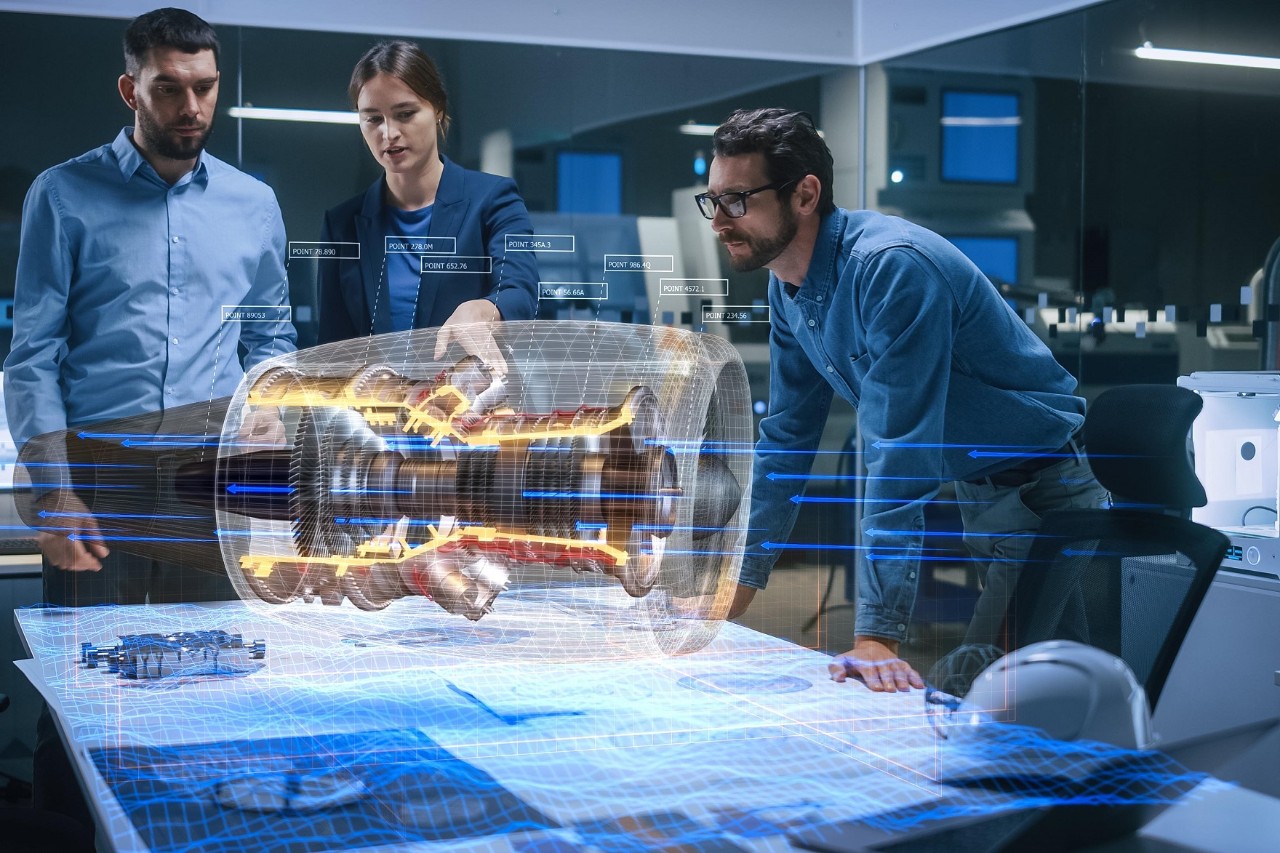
point(946, 379)
point(122, 283)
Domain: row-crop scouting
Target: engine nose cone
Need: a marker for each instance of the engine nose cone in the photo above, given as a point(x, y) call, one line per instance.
point(718, 497)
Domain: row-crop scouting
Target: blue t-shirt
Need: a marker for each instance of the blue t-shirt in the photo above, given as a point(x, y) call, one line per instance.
point(404, 270)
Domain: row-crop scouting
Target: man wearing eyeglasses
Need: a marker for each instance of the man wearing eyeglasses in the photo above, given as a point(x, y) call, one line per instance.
point(900, 323)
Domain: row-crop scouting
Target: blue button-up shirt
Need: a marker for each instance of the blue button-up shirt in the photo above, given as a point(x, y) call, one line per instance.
point(121, 284)
point(944, 375)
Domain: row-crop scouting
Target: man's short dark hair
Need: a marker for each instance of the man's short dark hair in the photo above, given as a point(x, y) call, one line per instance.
point(166, 27)
point(789, 142)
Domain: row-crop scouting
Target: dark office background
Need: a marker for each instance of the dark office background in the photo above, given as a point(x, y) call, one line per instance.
point(1159, 184)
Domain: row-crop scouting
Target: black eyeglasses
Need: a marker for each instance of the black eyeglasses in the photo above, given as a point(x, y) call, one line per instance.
point(734, 205)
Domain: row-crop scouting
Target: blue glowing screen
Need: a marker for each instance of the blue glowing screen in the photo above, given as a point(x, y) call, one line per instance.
point(589, 182)
point(980, 137)
point(997, 257)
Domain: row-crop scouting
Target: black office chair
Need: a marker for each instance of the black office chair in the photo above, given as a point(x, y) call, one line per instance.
point(1128, 579)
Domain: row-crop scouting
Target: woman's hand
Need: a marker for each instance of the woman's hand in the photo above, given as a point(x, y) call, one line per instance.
point(469, 327)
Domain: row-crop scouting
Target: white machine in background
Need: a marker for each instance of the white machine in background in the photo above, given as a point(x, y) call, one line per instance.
point(1228, 671)
point(1235, 440)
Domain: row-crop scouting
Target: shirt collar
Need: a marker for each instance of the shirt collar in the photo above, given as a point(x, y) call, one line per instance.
point(131, 161)
point(820, 277)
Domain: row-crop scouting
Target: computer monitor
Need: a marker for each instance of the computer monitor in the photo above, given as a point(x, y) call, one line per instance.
point(589, 182)
point(980, 136)
point(995, 255)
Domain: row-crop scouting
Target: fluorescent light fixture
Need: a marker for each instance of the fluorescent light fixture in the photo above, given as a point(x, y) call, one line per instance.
point(277, 114)
point(690, 128)
point(1202, 57)
point(981, 121)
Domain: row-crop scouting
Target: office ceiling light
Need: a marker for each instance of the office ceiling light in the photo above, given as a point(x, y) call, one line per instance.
point(277, 114)
point(692, 128)
point(981, 121)
point(1203, 57)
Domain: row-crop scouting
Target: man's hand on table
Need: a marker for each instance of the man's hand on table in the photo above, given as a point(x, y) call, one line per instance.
point(875, 662)
point(84, 552)
point(741, 600)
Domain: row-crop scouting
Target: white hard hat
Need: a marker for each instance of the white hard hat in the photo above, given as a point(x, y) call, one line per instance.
point(1068, 690)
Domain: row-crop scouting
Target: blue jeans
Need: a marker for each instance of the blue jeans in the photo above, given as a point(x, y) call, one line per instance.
point(1000, 523)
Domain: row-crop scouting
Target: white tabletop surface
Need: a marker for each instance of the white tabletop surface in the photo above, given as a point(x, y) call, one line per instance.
point(748, 732)
point(538, 729)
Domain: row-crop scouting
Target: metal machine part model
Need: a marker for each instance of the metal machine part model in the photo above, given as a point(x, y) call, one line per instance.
point(382, 473)
point(185, 653)
point(590, 488)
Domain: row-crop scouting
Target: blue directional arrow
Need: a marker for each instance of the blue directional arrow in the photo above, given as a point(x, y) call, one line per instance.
point(252, 533)
point(805, 499)
point(81, 465)
point(237, 489)
point(95, 537)
point(91, 487)
point(111, 436)
point(877, 532)
point(774, 475)
point(896, 445)
point(137, 442)
point(44, 513)
point(817, 546)
point(1074, 552)
point(799, 546)
point(979, 454)
point(941, 558)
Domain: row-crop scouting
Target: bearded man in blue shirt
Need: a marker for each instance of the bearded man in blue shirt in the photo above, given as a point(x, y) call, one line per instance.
point(128, 255)
point(897, 321)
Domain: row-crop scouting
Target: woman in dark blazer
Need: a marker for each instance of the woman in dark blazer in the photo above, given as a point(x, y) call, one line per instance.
point(425, 214)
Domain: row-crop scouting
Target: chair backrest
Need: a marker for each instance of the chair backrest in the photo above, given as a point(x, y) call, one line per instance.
point(1129, 579)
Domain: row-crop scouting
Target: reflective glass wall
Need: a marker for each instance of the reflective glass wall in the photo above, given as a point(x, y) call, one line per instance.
point(539, 114)
point(1125, 206)
point(1133, 223)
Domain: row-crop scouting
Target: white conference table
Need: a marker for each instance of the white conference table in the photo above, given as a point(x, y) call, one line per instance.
point(413, 728)
point(538, 729)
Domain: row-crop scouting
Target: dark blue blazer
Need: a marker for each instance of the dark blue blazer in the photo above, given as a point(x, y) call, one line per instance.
point(477, 208)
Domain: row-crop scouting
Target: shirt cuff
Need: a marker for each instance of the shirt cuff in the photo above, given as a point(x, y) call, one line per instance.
point(754, 575)
point(875, 621)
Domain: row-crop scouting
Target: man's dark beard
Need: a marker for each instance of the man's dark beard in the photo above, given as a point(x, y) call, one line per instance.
point(161, 141)
point(764, 249)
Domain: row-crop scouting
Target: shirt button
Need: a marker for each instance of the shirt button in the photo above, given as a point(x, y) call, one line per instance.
point(819, 297)
point(911, 575)
point(175, 239)
point(901, 627)
point(175, 340)
point(813, 322)
point(174, 291)
point(830, 369)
